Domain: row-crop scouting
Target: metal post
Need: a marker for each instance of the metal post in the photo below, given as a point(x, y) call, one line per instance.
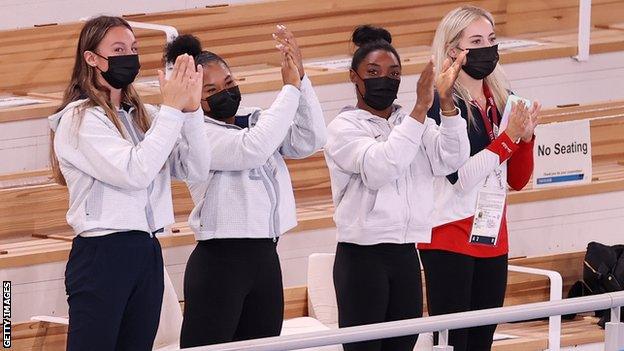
point(584, 30)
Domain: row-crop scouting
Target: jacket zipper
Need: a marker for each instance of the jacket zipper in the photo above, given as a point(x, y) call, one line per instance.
point(269, 186)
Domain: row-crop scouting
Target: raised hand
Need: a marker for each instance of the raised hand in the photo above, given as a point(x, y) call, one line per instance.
point(532, 121)
point(445, 81)
point(424, 93)
point(518, 119)
point(182, 90)
point(287, 43)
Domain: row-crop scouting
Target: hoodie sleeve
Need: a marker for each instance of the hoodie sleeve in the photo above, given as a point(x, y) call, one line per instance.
point(447, 145)
point(252, 147)
point(190, 158)
point(307, 133)
point(484, 162)
point(101, 151)
point(355, 151)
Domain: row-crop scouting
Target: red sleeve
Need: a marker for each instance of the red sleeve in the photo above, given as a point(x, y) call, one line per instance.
point(504, 147)
point(520, 165)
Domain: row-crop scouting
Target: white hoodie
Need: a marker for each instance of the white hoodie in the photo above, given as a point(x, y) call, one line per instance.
point(120, 181)
point(382, 173)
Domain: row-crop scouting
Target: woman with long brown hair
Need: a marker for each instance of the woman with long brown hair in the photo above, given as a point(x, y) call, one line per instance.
point(117, 156)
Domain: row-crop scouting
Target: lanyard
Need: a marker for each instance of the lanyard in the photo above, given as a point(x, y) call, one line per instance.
point(490, 106)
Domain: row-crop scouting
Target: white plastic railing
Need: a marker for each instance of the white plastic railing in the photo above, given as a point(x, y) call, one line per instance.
point(556, 290)
point(170, 34)
point(614, 332)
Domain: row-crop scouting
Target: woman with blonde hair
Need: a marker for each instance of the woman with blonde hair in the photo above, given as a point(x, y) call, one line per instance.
point(466, 261)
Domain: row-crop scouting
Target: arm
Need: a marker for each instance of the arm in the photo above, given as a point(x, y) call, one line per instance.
point(483, 163)
point(520, 165)
point(378, 163)
point(447, 146)
point(190, 158)
point(307, 133)
point(104, 154)
point(253, 147)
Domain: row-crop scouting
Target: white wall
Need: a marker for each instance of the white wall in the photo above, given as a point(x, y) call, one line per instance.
point(26, 13)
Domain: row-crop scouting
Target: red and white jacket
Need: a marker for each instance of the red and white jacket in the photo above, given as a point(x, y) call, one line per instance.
point(456, 194)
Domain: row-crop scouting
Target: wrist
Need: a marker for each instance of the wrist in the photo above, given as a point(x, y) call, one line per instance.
point(512, 135)
point(419, 113)
point(450, 113)
point(528, 138)
point(447, 103)
point(188, 109)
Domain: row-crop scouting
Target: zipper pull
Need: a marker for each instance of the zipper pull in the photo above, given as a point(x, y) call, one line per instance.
point(274, 239)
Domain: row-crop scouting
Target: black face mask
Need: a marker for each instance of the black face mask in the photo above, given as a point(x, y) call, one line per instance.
point(224, 104)
point(122, 70)
point(380, 92)
point(481, 62)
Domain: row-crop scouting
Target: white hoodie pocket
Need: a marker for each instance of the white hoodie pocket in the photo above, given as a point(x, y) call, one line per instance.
point(386, 206)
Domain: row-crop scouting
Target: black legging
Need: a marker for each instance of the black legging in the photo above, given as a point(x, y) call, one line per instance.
point(378, 283)
point(459, 283)
point(233, 291)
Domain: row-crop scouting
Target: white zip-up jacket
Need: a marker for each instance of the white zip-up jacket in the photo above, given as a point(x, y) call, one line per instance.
point(121, 181)
point(249, 193)
point(382, 173)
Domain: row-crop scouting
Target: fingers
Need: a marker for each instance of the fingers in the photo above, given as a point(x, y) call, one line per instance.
point(284, 33)
point(176, 67)
point(446, 64)
point(197, 76)
point(161, 79)
point(286, 46)
point(200, 71)
point(535, 108)
point(461, 58)
point(427, 72)
point(190, 68)
point(285, 49)
point(290, 62)
point(183, 71)
point(459, 62)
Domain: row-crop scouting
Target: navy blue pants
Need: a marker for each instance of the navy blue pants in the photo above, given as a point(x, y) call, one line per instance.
point(115, 287)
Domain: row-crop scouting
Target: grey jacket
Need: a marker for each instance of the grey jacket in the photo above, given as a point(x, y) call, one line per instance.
point(249, 193)
point(122, 181)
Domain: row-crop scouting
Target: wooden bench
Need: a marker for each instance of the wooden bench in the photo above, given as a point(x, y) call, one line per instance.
point(521, 289)
point(241, 34)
